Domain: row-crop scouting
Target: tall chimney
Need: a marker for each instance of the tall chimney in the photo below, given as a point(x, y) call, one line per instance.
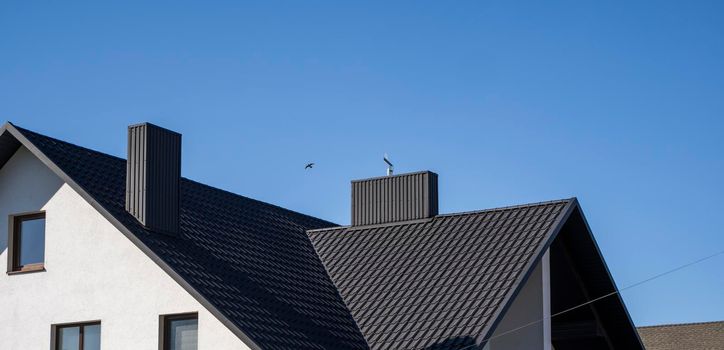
point(153, 172)
point(394, 198)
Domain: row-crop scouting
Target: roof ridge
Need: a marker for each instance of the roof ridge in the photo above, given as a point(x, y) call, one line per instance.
point(24, 130)
point(256, 201)
point(462, 213)
point(510, 207)
point(681, 324)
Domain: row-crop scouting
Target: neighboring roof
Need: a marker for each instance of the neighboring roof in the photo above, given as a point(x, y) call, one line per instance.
point(689, 336)
point(438, 283)
point(249, 262)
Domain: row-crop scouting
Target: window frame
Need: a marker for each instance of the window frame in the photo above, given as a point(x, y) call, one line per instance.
point(164, 329)
point(14, 232)
point(55, 339)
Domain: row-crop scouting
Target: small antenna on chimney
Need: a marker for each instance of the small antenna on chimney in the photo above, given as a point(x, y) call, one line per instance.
point(390, 167)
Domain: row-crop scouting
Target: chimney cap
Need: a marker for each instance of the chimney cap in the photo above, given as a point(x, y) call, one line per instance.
point(148, 124)
point(394, 176)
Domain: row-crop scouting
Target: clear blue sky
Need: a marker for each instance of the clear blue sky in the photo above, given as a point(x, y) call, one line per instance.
point(620, 104)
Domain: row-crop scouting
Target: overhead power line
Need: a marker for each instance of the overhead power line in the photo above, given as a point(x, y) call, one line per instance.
point(680, 267)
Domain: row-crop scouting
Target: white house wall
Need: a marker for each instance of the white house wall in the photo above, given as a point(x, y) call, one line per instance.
point(93, 273)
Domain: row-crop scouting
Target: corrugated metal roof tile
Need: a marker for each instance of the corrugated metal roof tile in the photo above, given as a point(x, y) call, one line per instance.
point(251, 260)
point(436, 283)
point(425, 284)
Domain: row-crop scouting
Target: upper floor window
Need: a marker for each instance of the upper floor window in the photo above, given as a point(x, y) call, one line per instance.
point(179, 332)
point(77, 336)
point(26, 242)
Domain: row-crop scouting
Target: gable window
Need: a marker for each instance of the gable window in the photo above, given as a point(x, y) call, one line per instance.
point(178, 332)
point(26, 242)
point(77, 336)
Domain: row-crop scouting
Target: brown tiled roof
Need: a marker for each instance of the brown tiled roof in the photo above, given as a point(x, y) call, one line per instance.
point(688, 336)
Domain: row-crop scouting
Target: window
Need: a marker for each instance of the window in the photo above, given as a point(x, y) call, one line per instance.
point(78, 336)
point(26, 242)
point(178, 332)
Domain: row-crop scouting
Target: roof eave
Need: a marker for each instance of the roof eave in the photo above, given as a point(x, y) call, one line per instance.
point(610, 277)
point(572, 207)
point(523, 278)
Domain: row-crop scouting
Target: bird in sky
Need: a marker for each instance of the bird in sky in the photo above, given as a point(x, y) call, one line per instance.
point(309, 166)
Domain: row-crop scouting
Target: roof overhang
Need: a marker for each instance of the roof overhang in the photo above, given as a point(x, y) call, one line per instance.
point(572, 230)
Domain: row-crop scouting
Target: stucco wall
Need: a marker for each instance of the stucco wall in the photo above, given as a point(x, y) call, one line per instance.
point(93, 273)
point(520, 327)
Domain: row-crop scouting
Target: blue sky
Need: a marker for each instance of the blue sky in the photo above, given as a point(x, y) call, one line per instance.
point(618, 103)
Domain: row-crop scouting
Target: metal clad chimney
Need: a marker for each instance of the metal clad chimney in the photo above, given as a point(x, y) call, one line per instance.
point(153, 173)
point(394, 198)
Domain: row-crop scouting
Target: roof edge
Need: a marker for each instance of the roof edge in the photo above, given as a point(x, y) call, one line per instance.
point(610, 277)
point(10, 127)
point(570, 208)
point(336, 289)
point(183, 178)
point(681, 324)
point(272, 205)
point(523, 278)
point(462, 213)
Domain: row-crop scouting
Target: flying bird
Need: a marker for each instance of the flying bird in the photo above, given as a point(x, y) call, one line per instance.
point(309, 166)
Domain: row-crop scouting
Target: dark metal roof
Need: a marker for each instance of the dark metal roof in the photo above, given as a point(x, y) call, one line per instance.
point(575, 247)
point(438, 283)
point(249, 262)
point(690, 336)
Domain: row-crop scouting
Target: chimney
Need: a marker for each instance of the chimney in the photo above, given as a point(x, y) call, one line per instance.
point(395, 198)
point(153, 172)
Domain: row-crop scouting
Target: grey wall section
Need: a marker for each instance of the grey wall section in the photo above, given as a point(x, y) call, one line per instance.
point(526, 324)
point(394, 198)
point(153, 175)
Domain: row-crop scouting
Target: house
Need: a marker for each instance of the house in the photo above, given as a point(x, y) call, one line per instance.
point(103, 252)
point(690, 336)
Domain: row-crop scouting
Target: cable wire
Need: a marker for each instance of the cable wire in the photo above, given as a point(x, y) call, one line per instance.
point(680, 267)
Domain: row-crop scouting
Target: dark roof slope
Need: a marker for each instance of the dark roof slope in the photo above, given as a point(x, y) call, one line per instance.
point(437, 283)
point(441, 283)
point(689, 336)
point(250, 260)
